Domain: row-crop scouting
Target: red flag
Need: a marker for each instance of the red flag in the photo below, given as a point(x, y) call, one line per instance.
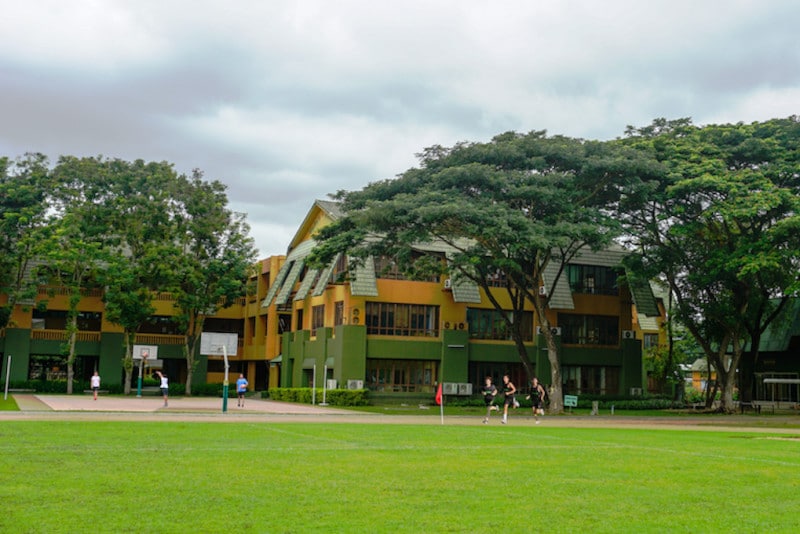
point(439, 395)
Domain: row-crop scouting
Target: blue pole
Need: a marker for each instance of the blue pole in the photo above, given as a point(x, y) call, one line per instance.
point(139, 381)
point(225, 382)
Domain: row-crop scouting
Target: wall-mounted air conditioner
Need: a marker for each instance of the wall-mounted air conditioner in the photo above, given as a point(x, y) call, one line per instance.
point(465, 389)
point(448, 283)
point(450, 388)
point(628, 334)
point(556, 330)
point(355, 384)
point(636, 392)
point(543, 291)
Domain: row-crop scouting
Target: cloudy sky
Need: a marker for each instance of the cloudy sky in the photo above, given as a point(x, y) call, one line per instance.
point(288, 101)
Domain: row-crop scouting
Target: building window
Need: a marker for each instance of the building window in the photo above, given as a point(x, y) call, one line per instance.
point(317, 318)
point(417, 376)
point(587, 379)
point(650, 340)
point(423, 268)
point(57, 320)
point(497, 279)
point(388, 319)
point(592, 279)
point(160, 324)
point(339, 273)
point(338, 313)
point(489, 324)
point(589, 329)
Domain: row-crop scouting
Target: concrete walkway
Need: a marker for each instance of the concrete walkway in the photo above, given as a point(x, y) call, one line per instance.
point(151, 404)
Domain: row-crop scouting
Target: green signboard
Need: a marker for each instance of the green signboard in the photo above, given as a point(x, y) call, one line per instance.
point(571, 401)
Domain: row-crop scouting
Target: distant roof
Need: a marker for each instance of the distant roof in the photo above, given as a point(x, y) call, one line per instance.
point(780, 332)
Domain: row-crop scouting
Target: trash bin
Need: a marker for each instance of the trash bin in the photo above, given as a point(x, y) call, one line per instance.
point(595, 407)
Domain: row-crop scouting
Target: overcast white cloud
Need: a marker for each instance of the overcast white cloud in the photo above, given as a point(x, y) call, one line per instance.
point(287, 101)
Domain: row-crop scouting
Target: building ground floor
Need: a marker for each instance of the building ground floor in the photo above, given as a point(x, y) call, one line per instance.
point(346, 357)
point(38, 356)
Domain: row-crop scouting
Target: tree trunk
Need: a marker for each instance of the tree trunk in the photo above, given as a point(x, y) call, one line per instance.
point(189, 368)
point(73, 334)
point(127, 362)
point(556, 393)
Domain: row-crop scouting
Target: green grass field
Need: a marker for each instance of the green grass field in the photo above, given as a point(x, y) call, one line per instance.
point(71, 476)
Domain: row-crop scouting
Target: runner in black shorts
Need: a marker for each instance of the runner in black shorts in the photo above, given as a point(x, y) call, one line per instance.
point(508, 390)
point(537, 398)
point(489, 391)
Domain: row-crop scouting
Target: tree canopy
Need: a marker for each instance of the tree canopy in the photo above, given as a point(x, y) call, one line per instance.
point(719, 222)
point(513, 206)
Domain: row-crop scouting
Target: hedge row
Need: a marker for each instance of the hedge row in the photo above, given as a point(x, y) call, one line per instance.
point(334, 397)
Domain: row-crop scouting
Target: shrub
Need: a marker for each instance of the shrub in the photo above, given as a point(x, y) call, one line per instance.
point(334, 397)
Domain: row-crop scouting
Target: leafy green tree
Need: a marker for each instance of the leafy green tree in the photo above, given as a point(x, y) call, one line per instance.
point(718, 218)
point(514, 205)
point(142, 222)
point(77, 244)
point(23, 207)
point(211, 260)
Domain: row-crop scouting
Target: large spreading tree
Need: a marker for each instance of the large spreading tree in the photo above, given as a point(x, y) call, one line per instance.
point(145, 234)
point(506, 209)
point(24, 184)
point(211, 261)
point(719, 222)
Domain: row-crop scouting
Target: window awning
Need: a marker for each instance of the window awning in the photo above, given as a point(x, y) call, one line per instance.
point(309, 363)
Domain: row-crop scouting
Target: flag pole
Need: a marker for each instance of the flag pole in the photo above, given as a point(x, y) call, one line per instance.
point(441, 391)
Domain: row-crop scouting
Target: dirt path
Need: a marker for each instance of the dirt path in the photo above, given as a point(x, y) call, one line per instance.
point(190, 409)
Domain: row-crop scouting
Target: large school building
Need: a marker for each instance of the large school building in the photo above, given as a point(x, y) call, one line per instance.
point(301, 326)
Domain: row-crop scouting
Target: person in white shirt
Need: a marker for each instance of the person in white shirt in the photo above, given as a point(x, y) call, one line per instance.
point(95, 384)
point(164, 386)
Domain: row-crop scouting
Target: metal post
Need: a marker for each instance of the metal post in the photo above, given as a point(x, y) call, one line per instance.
point(8, 373)
point(324, 385)
point(441, 383)
point(225, 382)
point(314, 385)
point(139, 381)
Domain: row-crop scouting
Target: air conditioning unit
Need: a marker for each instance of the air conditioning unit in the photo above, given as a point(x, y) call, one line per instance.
point(332, 383)
point(555, 330)
point(628, 334)
point(542, 291)
point(355, 384)
point(450, 388)
point(465, 389)
point(636, 392)
point(448, 283)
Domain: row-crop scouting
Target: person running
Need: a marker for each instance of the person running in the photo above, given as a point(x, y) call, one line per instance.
point(489, 392)
point(164, 386)
point(508, 391)
point(537, 399)
point(95, 384)
point(241, 389)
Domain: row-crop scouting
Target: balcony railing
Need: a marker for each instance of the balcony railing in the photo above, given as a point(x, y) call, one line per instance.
point(61, 335)
point(61, 290)
point(160, 339)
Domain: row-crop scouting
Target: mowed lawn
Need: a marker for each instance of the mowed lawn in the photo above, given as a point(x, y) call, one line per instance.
point(72, 476)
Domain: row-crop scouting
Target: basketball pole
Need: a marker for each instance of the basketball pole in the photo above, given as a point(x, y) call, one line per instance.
point(225, 382)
